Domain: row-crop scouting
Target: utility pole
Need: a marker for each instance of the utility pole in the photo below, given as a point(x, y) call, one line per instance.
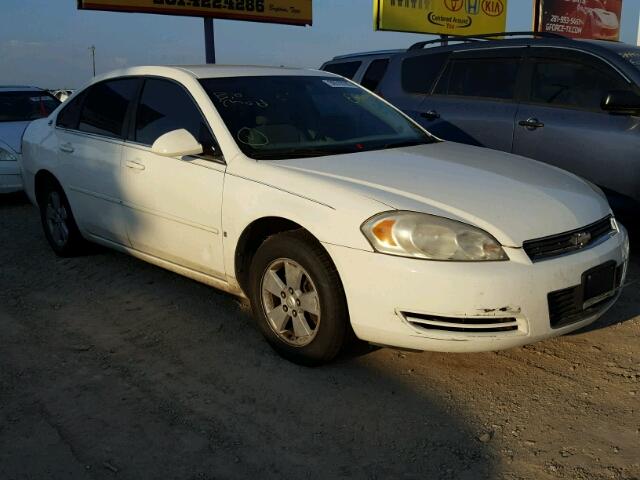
point(93, 58)
point(209, 41)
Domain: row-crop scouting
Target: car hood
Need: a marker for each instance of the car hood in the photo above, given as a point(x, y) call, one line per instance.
point(11, 134)
point(513, 198)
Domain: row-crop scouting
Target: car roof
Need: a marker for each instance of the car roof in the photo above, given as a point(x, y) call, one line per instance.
point(19, 88)
point(360, 55)
point(210, 71)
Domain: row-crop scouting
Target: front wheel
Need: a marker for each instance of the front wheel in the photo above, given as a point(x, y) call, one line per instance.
point(298, 299)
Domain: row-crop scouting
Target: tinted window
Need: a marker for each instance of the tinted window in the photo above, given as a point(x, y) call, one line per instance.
point(481, 77)
point(166, 106)
point(419, 73)
point(572, 84)
point(374, 73)
point(346, 69)
point(70, 114)
point(24, 106)
point(277, 117)
point(105, 107)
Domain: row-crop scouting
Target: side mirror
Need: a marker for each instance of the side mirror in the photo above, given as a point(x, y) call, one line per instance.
point(177, 143)
point(622, 102)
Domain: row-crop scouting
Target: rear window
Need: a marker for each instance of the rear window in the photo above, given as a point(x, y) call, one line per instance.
point(26, 106)
point(482, 78)
point(374, 73)
point(345, 69)
point(105, 107)
point(419, 73)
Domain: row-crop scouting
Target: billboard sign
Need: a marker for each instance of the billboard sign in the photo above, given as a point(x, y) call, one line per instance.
point(594, 19)
point(443, 17)
point(290, 12)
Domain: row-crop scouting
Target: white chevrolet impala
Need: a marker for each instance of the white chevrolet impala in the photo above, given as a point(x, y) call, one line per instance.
point(326, 207)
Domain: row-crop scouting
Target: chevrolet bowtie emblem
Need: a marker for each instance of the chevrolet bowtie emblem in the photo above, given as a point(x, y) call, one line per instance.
point(580, 239)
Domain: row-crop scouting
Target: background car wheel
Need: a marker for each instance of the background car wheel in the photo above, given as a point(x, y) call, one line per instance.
point(298, 299)
point(58, 223)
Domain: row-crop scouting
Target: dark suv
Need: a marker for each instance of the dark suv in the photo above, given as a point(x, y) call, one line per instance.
point(571, 103)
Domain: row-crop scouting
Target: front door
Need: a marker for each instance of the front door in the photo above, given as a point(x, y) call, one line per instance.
point(561, 121)
point(474, 101)
point(173, 206)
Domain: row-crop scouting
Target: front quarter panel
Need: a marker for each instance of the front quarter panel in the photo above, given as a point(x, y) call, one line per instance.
point(255, 190)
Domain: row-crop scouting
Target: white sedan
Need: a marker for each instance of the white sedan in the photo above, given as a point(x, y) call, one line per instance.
point(325, 206)
point(18, 106)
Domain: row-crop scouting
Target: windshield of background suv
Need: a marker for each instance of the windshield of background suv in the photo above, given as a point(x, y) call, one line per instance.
point(25, 106)
point(279, 117)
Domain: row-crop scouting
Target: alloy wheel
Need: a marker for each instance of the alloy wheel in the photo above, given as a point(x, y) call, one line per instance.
point(291, 302)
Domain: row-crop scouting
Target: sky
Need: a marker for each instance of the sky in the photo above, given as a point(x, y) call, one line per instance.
point(46, 42)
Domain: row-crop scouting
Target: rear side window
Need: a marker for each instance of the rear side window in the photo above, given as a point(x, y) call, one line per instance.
point(346, 69)
point(374, 73)
point(572, 84)
point(105, 107)
point(69, 117)
point(165, 106)
point(480, 77)
point(419, 73)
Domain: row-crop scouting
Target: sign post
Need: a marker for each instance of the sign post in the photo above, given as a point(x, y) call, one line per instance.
point(209, 41)
point(286, 12)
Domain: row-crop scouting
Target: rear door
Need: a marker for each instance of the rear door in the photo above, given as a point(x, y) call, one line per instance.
point(90, 133)
point(561, 122)
point(474, 99)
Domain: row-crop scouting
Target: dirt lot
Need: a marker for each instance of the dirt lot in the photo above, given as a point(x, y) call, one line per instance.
point(112, 368)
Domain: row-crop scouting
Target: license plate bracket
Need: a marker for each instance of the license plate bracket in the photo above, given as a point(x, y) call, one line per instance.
point(598, 283)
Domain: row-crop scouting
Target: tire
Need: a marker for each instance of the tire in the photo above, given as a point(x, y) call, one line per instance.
point(59, 226)
point(313, 315)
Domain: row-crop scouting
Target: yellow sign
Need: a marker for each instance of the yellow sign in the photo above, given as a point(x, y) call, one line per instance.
point(443, 17)
point(291, 12)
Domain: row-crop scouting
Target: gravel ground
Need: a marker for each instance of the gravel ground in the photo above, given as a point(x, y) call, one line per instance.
point(113, 368)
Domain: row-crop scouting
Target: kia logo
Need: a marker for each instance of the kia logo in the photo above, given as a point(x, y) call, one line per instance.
point(454, 5)
point(493, 8)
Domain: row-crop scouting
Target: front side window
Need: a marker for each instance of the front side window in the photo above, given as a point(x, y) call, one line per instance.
point(165, 106)
point(572, 84)
point(420, 72)
point(375, 72)
point(105, 107)
point(26, 106)
point(492, 78)
point(344, 69)
point(277, 117)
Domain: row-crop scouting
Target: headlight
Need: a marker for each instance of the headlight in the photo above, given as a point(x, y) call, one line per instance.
point(7, 155)
point(418, 235)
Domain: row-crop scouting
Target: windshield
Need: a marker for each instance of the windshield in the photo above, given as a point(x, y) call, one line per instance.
point(25, 106)
point(631, 55)
point(278, 117)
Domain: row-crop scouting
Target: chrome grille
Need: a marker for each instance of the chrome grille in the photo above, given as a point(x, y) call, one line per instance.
point(552, 246)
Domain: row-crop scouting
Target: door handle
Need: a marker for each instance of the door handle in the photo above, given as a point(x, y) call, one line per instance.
point(134, 165)
point(430, 115)
point(66, 147)
point(531, 123)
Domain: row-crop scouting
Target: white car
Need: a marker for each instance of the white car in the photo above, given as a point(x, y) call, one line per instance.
point(325, 206)
point(18, 106)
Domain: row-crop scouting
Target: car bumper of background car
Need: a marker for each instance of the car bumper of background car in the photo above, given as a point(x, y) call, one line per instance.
point(10, 178)
point(466, 307)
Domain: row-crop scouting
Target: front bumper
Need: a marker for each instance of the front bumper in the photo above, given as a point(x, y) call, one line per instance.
point(388, 297)
point(10, 177)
